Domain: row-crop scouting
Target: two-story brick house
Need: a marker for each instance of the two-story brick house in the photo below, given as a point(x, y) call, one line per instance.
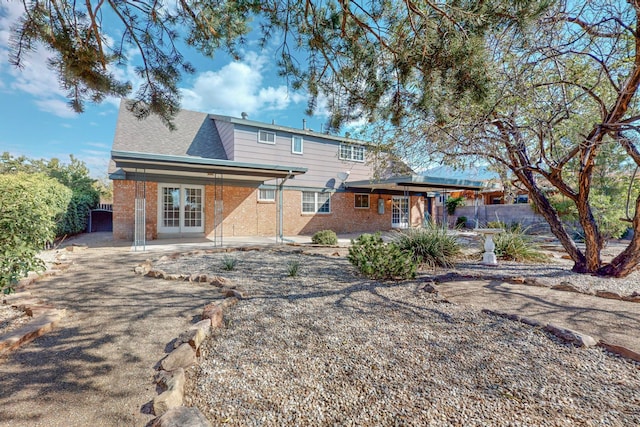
point(219, 176)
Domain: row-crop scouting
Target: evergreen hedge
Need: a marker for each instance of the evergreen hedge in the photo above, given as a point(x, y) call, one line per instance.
point(31, 205)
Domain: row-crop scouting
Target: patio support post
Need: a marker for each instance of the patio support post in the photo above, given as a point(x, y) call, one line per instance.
point(280, 208)
point(140, 212)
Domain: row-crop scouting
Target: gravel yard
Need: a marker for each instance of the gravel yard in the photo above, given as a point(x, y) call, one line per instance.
point(11, 318)
point(330, 348)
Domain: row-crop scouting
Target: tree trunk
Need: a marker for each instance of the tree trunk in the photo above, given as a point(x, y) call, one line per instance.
point(627, 261)
point(557, 228)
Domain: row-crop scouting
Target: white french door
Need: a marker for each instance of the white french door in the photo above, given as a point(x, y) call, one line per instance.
point(400, 212)
point(180, 208)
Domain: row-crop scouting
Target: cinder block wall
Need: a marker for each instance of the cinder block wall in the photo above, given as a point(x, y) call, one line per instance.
point(517, 213)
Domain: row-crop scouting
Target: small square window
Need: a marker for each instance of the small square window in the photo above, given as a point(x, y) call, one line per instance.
point(266, 137)
point(362, 201)
point(296, 145)
point(266, 195)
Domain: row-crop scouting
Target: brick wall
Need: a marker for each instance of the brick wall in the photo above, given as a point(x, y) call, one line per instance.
point(244, 215)
point(124, 195)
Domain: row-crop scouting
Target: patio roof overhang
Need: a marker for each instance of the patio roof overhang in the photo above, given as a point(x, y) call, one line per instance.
point(132, 164)
point(416, 183)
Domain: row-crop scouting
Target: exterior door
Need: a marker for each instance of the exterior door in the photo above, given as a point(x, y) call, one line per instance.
point(400, 212)
point(180, 208)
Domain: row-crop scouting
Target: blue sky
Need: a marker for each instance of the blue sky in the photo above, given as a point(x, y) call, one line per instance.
point(37, 123)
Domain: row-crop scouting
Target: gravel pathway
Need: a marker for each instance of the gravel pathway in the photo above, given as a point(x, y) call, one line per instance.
point(329, 348)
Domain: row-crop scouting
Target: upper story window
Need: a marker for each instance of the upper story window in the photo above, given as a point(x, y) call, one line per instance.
point(296, 144)
point(266, 137)
point(352, 152)
point(266, 195)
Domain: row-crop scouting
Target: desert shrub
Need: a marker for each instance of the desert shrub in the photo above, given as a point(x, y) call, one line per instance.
point(293, 268)
point(461, 222)
point(229, 263)
point(430, 246)
point(325, 237)
point(379, 260)
point(514, 226)
point(497, 224)
point(30, 206)
point(515, 245)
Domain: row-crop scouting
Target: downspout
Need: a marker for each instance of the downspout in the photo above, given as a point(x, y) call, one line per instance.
point(280, 236)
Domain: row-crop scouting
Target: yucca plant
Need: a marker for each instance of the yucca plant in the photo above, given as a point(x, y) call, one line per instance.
point(515, 245)
point(229, 263)
point(293, 268)
point(431, 246)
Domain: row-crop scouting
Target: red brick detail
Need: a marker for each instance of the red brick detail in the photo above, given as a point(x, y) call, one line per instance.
point(124, 195)
point(244, 215)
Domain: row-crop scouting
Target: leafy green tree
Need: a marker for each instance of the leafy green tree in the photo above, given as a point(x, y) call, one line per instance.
point(562, 117)
point(30, 206)
point(74, 175)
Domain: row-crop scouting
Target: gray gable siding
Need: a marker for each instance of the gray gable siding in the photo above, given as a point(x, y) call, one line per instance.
point(320, 156)
point(225, 130)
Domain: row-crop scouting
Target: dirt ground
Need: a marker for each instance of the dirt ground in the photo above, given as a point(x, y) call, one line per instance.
point(96, 367)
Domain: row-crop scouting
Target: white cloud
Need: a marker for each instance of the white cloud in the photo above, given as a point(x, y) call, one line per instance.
point(236, 88)
point(99, 145)
point(57, 107)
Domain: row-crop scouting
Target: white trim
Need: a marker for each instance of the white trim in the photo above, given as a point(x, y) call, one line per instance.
point(402, 222)
point(355, 197)
point(181, 227)
point(262, 132)
point(293, 144)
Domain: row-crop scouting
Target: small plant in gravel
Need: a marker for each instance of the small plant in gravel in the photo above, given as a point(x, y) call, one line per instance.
point(515, 245)
point(229, 263)
point(378, 260)
point(293, 268)
point(431, 246)
point(325, 237)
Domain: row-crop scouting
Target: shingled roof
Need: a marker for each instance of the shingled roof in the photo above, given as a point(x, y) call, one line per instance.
point(195, 135)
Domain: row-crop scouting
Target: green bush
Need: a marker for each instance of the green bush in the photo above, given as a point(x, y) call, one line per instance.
point(30, 206)
point(461, 222)
point(430, 246)
point(325, 237)
point(77, 215)
point(378, 260)
point(229, 263)
point(514, 245)
point(73, 175)
point(293, 268)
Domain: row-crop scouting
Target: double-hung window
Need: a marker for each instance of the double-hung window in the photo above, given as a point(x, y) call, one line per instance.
point(316, 202)
point(352, 152)
point(361, 201)
point(266, 137)
point(296, 145)
point(266, 195)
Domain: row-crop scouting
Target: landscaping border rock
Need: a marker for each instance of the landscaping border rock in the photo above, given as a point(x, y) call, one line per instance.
point(168, 405)
point(568, 335)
